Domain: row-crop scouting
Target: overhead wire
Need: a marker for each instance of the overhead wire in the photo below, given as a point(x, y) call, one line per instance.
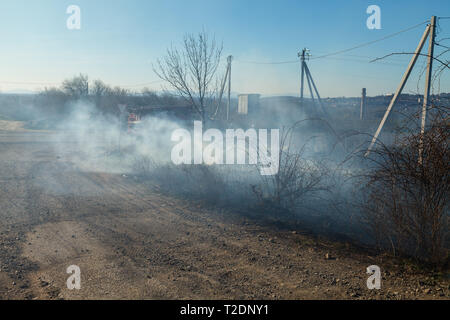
point(340, 51)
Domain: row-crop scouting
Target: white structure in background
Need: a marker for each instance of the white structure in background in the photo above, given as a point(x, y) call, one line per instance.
point(248, 103)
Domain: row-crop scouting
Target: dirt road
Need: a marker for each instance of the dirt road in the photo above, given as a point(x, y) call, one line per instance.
point(132, 242)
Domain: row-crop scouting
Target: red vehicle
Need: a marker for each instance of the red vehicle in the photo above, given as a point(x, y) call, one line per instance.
point(133, 122)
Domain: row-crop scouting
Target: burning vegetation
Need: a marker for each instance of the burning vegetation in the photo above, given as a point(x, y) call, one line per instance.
point(393, 201)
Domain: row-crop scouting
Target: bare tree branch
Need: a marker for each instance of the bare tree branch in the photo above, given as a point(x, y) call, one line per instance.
point(192, 71)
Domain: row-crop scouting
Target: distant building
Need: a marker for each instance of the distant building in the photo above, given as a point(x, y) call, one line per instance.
point(248, 103)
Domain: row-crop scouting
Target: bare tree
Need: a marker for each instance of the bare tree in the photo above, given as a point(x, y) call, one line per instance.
point(99, 88)
point(191, 71)
point(77, 87)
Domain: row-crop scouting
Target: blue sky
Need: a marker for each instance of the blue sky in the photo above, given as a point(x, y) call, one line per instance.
point(119, 40)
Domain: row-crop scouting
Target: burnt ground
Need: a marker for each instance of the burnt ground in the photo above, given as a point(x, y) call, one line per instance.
point(132, 242)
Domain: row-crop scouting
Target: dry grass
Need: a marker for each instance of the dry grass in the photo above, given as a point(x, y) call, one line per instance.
point(408, 198)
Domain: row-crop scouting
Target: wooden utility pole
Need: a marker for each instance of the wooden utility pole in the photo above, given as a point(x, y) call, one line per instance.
point(400, 87)
point(426, 95)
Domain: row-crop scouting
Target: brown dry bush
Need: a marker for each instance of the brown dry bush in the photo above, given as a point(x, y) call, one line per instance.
point(297, 177)
point(200, 182)
point(407, 204)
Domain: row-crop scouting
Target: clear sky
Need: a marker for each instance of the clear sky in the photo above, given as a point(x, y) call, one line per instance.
point(120, 39)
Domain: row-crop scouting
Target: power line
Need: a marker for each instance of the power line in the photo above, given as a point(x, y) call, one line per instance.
point(28, 83)
point(340, 51)
point(440, 45)
point(370, 42)
point(328, 55)
point(141, 84)
point(58, 83)
point(296, 61)
point(364, 61)
point(352, 55)
point(271, 62)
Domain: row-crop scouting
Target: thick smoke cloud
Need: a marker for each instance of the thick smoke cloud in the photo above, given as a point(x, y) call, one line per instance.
point(89, 141)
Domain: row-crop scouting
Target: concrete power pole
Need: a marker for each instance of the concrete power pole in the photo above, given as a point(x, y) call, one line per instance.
point(311, 85)
point(222, 89)
point(362, 112)
point(302, 59)
point(230, 59)
point(400, 87)
point(309, 76)
point(426, 96)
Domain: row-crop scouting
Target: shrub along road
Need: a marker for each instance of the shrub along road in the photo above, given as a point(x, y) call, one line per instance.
point(132, 242)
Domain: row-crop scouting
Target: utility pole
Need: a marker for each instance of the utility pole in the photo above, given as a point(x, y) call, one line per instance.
point(311, 85)
point(230, 59)
point(426, 95)
point(362, 112)
point(308, 74)
point(302, 59)
point(400, 87)
point(222, 89)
